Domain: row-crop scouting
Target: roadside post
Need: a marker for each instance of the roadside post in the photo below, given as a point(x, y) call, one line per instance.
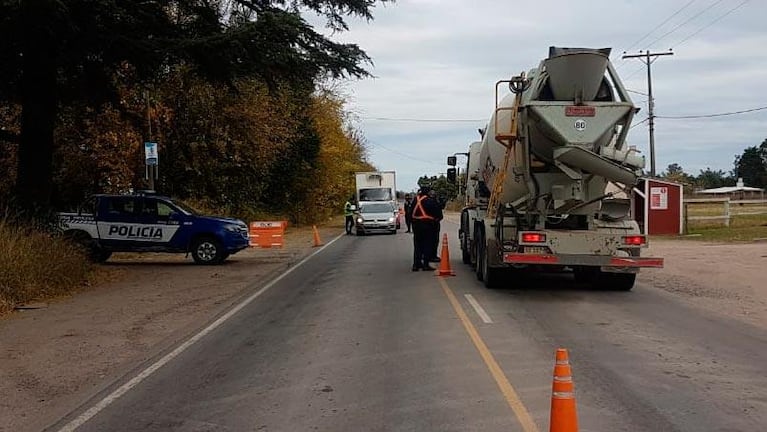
point(152, 162)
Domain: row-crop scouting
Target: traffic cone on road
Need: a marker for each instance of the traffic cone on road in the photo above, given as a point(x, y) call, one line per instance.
point(317, 241)
point(444, 263)
point(563, 415)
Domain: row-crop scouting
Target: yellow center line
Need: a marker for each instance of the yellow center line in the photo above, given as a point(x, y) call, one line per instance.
point(528, 425)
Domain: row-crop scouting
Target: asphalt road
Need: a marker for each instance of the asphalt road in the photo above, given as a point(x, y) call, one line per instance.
point(352, 340)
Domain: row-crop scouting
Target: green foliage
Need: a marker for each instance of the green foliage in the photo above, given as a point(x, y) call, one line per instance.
point(446, 191)
point(84, 54)
point(751, 165)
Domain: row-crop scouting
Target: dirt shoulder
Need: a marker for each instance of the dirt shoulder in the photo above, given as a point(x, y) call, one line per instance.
point(52, 358)
point(727, 279)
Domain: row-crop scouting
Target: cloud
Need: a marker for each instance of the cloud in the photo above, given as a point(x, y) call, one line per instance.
point(440, 59)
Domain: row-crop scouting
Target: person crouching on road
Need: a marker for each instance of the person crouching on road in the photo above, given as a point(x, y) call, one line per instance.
point(349, 215)
point(425, 211)
point(409, 202)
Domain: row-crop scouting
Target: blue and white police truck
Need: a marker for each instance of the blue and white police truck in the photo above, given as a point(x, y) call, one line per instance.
point(147, 222)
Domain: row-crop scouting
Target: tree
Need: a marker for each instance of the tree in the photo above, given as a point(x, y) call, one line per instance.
point(446, 191)
point(709, 179)
point(58, 52)
point(675, 173)
point(752, 166)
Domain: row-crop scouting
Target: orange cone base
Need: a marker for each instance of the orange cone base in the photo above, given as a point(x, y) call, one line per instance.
point(444, 263)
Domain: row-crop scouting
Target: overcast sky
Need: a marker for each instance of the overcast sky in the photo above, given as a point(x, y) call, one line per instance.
point(440, 59)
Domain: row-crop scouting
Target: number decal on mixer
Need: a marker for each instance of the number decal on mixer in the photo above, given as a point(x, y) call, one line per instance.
point(580, 125)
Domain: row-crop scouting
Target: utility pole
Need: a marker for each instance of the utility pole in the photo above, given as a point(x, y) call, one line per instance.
point(648, 58)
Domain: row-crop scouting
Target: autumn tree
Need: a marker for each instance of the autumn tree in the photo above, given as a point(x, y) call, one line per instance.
point(56, 53)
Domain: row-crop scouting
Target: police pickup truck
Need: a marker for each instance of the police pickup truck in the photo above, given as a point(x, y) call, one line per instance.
point(146, 222)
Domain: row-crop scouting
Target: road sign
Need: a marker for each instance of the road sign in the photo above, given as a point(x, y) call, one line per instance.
point(150, 150)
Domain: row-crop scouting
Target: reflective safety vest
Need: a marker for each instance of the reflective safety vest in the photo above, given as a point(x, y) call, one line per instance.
point(418, 212)
point(348, 209)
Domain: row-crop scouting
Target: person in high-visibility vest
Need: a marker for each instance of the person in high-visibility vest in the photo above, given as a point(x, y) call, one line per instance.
point(426, 213)
point(349, 215)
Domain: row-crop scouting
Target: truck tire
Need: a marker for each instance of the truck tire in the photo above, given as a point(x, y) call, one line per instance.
point(490, 276)
point(616, 281)
point(465, 254)
point(463, 233)
point(480, 248)
point(207, 250)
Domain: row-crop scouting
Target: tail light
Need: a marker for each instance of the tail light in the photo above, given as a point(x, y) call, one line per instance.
point(533, 237)
point(637, 240)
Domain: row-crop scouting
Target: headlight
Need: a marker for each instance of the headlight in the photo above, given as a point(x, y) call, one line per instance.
point(359, 220)
point(391, 219)
point(235, 228)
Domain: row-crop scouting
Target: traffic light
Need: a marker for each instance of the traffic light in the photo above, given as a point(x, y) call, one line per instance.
point(451, 175)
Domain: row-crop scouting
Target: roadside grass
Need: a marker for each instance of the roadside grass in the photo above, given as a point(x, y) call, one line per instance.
point(37, 266)
point(742, 228)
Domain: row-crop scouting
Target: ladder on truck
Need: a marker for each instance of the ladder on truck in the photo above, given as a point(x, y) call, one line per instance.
point(508, 139)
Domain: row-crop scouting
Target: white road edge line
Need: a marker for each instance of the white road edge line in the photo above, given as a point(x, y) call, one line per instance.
point(481, 312)
point(108, 400)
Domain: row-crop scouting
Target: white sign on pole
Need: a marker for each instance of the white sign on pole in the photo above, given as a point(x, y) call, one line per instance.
point(658, 198)
point(150, 150)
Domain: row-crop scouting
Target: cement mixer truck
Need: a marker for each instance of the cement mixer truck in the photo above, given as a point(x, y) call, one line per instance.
point(549, 185)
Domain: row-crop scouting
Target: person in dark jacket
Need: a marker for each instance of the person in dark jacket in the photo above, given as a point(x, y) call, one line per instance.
point(426, 211)
point(409, 202)
point(435, 229)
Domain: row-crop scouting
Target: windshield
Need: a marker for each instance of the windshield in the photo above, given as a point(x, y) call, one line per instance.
point(375, 194)
point(377, 208)
point(185, 208)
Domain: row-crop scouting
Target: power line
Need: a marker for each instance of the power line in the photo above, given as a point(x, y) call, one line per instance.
point(405, 154)
point(638, 123)
point(424, 120)
point(660, 25)
point(712, 22)
point(712, 115)
point(685, 22)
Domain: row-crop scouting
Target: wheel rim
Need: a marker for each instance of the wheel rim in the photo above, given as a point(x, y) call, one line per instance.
point(206, 251)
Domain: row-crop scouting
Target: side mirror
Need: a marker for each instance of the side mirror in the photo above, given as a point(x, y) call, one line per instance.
point(353, 207)
point(174, 216)
point(452, 160)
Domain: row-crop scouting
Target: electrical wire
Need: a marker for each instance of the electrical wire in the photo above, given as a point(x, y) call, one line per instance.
point(424, 120)
point(660, 25)
point(712, 115)
point(712, 22)
point(712, 5)
point(639, 122)
point(405, 154)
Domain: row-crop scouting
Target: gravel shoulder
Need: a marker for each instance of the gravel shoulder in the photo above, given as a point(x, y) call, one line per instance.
point(53, 358)
point(727, 279)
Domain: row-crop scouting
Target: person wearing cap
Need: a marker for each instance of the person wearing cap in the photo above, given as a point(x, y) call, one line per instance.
point(409, 211)
point(426, 211)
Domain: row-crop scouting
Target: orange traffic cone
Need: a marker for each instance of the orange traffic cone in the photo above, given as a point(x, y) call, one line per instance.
point(317, 241)
point(444, 263)
point(563, 415)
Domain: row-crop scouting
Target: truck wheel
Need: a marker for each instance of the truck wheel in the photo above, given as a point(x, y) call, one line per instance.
point(489, 275)
point(207, 250)
point(616, 281)
point(480, 247)
point(465, 254)
point(463, 233)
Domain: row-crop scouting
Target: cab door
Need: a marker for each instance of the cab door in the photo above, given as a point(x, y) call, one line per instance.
point(159, 224)
point(118, 221)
